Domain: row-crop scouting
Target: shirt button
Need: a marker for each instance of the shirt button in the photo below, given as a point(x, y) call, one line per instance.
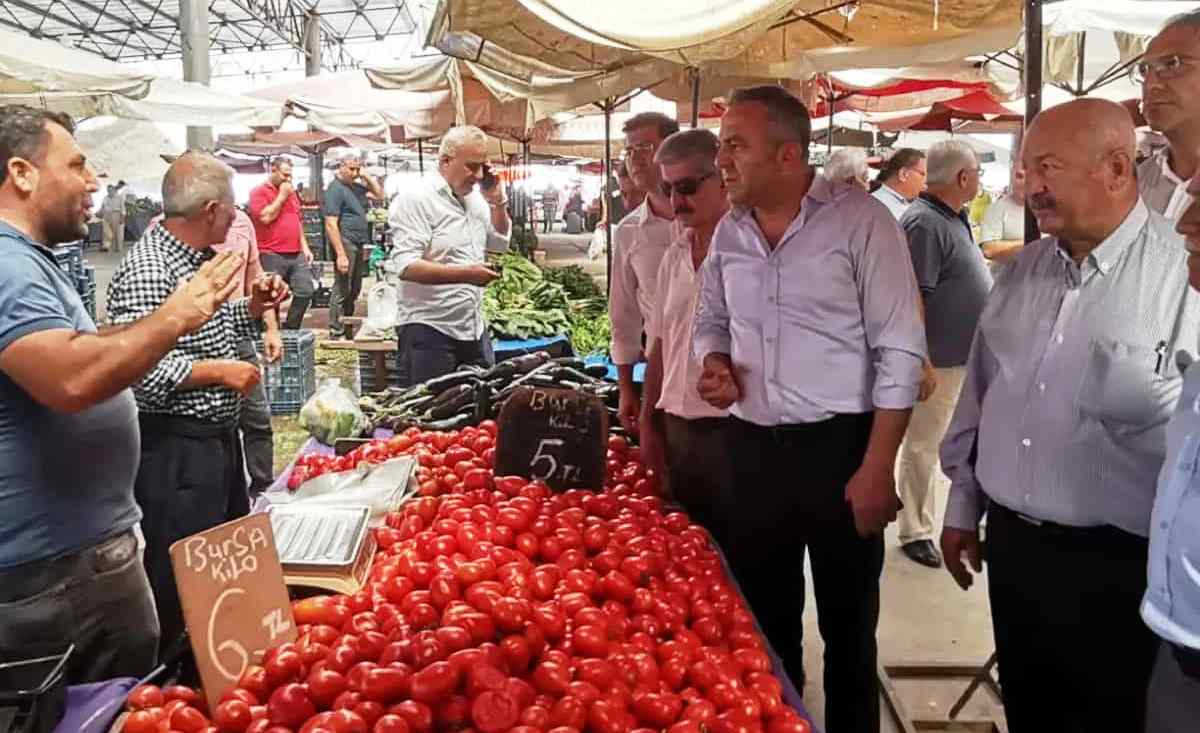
point(1026, 442)
point(770, 298)
point(1059, 338)
point(770, 339)
point(1163, 525)
point(1027, 498)
point(1041, 387)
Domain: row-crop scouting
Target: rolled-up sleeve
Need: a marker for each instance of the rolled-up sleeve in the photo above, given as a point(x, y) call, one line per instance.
point(711, 333)
point(891, 318)
point(244, 324)
point(496, 242)
point(966, 501)
point(137, 289)
point(411, 232)
point(623, 311)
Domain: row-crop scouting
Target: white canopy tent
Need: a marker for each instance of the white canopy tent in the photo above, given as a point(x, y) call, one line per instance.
point(30, 65)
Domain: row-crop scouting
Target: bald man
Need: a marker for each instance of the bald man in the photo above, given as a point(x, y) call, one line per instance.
point(1058, 435)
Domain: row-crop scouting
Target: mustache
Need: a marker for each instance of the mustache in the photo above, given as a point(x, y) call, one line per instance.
point(1042, 201)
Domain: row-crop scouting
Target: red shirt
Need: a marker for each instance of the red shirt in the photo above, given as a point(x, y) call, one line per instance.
point(281, 236)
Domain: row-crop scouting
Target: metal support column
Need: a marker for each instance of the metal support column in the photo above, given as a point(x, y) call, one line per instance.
point(608, 200)
point(695, 98)
point(312, 67)
point(193, 32)
point(1033, 85)
point(421, 155)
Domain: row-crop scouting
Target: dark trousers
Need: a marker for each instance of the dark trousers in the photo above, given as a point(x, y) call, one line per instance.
point(423, 352)
point(1173, 701)
point(1071, 648)
point(97, 599)
point(699, 469)
point(190, 479)
point(258, 439)
point(548, 217)
point(299, 277)
point(788, 499)
point(346, 287)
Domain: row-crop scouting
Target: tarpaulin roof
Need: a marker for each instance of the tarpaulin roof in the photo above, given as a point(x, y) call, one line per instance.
point(976, 107)
point(759, 38)
point(294, 143)
point(33, 65)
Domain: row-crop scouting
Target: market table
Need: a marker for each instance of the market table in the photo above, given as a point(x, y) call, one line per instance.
point(791, 695)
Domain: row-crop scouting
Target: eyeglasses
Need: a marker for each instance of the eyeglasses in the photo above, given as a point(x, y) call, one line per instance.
point(685, 186)
point(646, 148)
point(1165, 68)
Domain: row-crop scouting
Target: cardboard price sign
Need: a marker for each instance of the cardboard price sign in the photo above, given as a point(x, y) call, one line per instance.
point(554, 435)
point(234, 601)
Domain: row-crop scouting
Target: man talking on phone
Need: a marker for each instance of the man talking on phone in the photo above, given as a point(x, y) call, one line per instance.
point(441, 228)
point(345, 210)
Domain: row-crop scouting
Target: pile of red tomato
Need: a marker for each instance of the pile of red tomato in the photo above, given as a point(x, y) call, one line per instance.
point(496, 606)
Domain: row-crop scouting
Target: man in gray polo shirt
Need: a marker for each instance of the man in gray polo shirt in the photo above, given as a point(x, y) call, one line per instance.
point(954, 281)
point(70, 571)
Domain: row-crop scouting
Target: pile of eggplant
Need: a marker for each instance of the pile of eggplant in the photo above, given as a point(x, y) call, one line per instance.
point(474, 394)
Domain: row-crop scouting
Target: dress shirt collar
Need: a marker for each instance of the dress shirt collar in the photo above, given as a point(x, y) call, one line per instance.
point(643, 215)
point(1163, 156)
point(893, 193)
point(171, 244)
point(820, 192)
point(1114, 246)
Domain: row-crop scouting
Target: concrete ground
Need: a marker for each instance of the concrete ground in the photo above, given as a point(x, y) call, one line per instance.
point(925, 618)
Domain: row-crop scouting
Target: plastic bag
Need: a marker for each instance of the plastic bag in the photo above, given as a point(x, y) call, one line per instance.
point(333, 413)
point(382, 313)
point(598, 244)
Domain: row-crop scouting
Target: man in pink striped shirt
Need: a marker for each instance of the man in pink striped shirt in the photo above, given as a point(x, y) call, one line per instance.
point(682, 436)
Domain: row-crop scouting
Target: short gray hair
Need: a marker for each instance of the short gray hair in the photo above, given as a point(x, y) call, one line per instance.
point(1190, 19)
point(662, 124)
point(846, 164)
point(194, 179)
point(348, 156)
point(456, 137)
point(787, 117)
point(697, 145)
point(946, 158)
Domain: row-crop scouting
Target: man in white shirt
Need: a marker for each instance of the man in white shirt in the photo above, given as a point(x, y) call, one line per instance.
point(440, 232)
point(639, 243)
point(1170, 75)
point(1002, 231)
point(900, 180)
point(809, 330)
point(682, 436)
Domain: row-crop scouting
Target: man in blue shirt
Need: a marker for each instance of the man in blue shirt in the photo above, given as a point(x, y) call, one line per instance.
point(70, 570)
point(1171, 606)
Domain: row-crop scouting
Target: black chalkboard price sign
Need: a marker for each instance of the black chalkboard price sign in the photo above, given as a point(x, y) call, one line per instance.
point(554, 435)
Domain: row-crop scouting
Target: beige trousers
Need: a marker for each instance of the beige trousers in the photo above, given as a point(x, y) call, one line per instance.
point(918, 469)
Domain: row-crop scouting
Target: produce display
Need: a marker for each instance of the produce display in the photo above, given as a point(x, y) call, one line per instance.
point(472, 394)
point(528, 301)
point(496, 606)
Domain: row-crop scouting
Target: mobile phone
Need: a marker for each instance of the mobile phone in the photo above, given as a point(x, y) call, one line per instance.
point(489, 178)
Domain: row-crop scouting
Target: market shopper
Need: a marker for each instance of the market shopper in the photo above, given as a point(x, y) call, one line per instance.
point(682, 436)
point(1059, 431)
point(639, 242)
point(191, 475)
point(1002, 231)
point(1171, 105)
point(1171, 605)
point(440, 230)
point(70, 571)
point(808, 329)
point(345, 210)
point(901, 179)
point(282, 246)
point(954, 282)
point(848, 165)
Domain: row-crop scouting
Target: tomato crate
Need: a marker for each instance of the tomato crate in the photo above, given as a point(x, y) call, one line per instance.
point(366, 372)
point(293, 379)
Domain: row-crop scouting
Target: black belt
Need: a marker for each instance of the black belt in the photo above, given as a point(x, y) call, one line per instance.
point(793, 431)
point(1098, 531)
point(1188, 659)
point(188, 427)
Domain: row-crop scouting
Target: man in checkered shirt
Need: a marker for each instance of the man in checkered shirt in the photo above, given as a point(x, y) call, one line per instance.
point(191, 476)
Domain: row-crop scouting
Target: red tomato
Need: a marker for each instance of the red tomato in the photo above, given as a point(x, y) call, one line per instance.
point(391, 723)
point(551, 678)
point(607, 717)
point(144, 697)
point(516, 653)
point(232, 716)
point(290, 705)
point(320, 610)
point(570, 712)
point(494, 712)
point(386, 684)
point(140, 721)
point(434, 683)
point(418, 715)
point(187, 719)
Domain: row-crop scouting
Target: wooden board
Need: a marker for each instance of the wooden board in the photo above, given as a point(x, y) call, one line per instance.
point(234, 601)
point(555, 435)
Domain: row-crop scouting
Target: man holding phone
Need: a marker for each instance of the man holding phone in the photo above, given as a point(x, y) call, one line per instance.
point(345, 210)
point(441, 229)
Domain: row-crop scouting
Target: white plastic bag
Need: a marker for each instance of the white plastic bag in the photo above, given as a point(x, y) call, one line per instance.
point(382, 313)
point(598, 244)
point(332, 413)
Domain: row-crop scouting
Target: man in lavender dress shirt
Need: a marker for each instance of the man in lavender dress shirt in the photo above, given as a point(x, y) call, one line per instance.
point(1060, 429)
point(808, 329)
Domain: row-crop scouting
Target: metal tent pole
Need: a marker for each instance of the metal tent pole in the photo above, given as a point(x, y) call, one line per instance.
point(421, 155)
point(695, 98)
point(608, 177)
point(1033, 85)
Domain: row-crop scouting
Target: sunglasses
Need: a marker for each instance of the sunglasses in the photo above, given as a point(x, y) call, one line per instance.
point(685, 186)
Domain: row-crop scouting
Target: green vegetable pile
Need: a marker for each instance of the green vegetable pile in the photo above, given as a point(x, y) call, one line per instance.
point(530, 302)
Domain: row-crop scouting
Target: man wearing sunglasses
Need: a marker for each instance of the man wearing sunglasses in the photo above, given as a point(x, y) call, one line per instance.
point(682, 436)
point(1169, 73)
point(639, 243)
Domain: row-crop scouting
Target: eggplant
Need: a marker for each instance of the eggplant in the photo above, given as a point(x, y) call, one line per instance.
point(574, 375)
point(572, 362)
point(504, 371)
point(596, 371)
point(454, 422)
point(483, 402)
point(438, 385)
point(452, 400)
point(526, 363)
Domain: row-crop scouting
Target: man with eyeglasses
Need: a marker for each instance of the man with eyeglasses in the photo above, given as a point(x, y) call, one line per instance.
point(900, 180)
point(1169, 73)
point(441, 228)
point(1059, 431)
point(808, 330)
point(954, 281)
point(639, 242)
point(682, 436)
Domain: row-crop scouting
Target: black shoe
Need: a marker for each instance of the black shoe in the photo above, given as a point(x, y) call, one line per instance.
point(923, 552)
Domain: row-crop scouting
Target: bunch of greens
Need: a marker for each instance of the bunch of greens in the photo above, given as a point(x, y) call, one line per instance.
point(575, 281)
point(590, 330)
point(521, 303)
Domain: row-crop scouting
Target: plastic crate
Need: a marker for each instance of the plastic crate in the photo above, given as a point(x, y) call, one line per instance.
point(70, 259)
point(293, 379)
point(366, 372)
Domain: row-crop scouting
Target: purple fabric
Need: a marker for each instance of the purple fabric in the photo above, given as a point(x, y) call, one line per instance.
point(92, 708)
